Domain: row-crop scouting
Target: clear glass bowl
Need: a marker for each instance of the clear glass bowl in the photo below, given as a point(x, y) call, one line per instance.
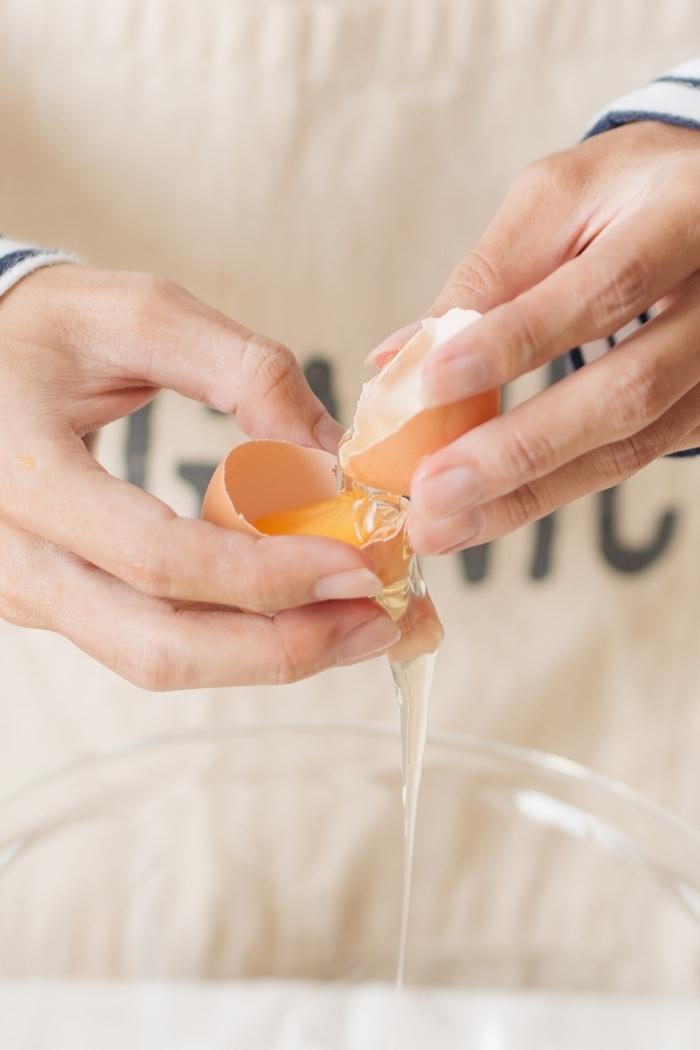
point(241, 887)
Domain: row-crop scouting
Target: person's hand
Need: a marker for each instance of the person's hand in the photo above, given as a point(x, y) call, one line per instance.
point(585, 241)
point(154, 596)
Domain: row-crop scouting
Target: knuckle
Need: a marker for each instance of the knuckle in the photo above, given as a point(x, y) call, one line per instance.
point(151, 573)
point(625, 292)
point(529, 336)
point(272, 364)
point(287, 666)
point(150, 665)
point(542, 174)
point(151, 294)
point(155, 287)
point(154, 561)
point(265, 589)
point(521, 506)
point(629, 456)
point(529, 456)
point(533, 175)
point(476, 276)
point(637, 396)
point(284, 671)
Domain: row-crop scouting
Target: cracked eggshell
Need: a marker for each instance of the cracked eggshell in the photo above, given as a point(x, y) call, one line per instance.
point(258, 478)
point(392, 430)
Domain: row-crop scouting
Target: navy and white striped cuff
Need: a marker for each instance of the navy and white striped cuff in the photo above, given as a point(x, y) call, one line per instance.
point(18, 259)
point(672, 99)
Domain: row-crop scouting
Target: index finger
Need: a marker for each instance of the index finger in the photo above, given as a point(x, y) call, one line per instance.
point(59, 492)
point(623, 273)
point(165, 336)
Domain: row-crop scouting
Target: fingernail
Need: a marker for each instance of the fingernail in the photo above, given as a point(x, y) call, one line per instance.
point(444, 494)
point(328, 433)
point(369, 639)
point(354, 583)
point(447, 535)
point(470, 527)
point(395, 341)
point(448, 380)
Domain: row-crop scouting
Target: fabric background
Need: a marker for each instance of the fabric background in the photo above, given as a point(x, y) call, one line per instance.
point(315, 169)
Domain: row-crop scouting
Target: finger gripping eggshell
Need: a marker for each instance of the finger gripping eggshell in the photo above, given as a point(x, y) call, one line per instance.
point(393, 430)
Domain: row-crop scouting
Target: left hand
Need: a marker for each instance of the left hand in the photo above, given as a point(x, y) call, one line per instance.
point(165, 601)
point(585, 241)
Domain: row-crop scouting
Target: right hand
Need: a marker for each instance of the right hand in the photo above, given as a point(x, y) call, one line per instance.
point(166, 602)
point(586, 241)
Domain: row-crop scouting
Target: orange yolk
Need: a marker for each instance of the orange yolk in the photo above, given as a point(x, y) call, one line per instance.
point(340, 518)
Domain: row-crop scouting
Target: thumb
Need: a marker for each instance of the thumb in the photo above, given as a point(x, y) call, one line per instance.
point(205, 355)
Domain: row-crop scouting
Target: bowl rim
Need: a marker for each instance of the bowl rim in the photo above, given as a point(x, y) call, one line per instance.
point(555, 767)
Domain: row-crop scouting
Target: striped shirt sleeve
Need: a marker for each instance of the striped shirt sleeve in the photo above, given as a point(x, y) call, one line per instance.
point(18, 259)
point(671, 99)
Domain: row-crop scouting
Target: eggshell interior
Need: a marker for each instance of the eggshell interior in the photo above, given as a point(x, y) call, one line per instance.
point(392, 429)
point(262, 477)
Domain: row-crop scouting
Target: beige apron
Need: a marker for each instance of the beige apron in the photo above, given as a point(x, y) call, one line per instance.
point(315, 169)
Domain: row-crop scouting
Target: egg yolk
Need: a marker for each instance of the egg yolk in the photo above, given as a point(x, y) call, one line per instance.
point(342, 518)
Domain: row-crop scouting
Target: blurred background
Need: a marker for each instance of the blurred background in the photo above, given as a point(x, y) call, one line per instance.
point(315, 169)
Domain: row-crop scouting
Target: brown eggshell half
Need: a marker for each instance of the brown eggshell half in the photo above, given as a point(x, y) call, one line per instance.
point(392, 431)
point(389, 464)
point(263, 477)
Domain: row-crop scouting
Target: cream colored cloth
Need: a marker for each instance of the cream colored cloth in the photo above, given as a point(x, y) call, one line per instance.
point(315, 169)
